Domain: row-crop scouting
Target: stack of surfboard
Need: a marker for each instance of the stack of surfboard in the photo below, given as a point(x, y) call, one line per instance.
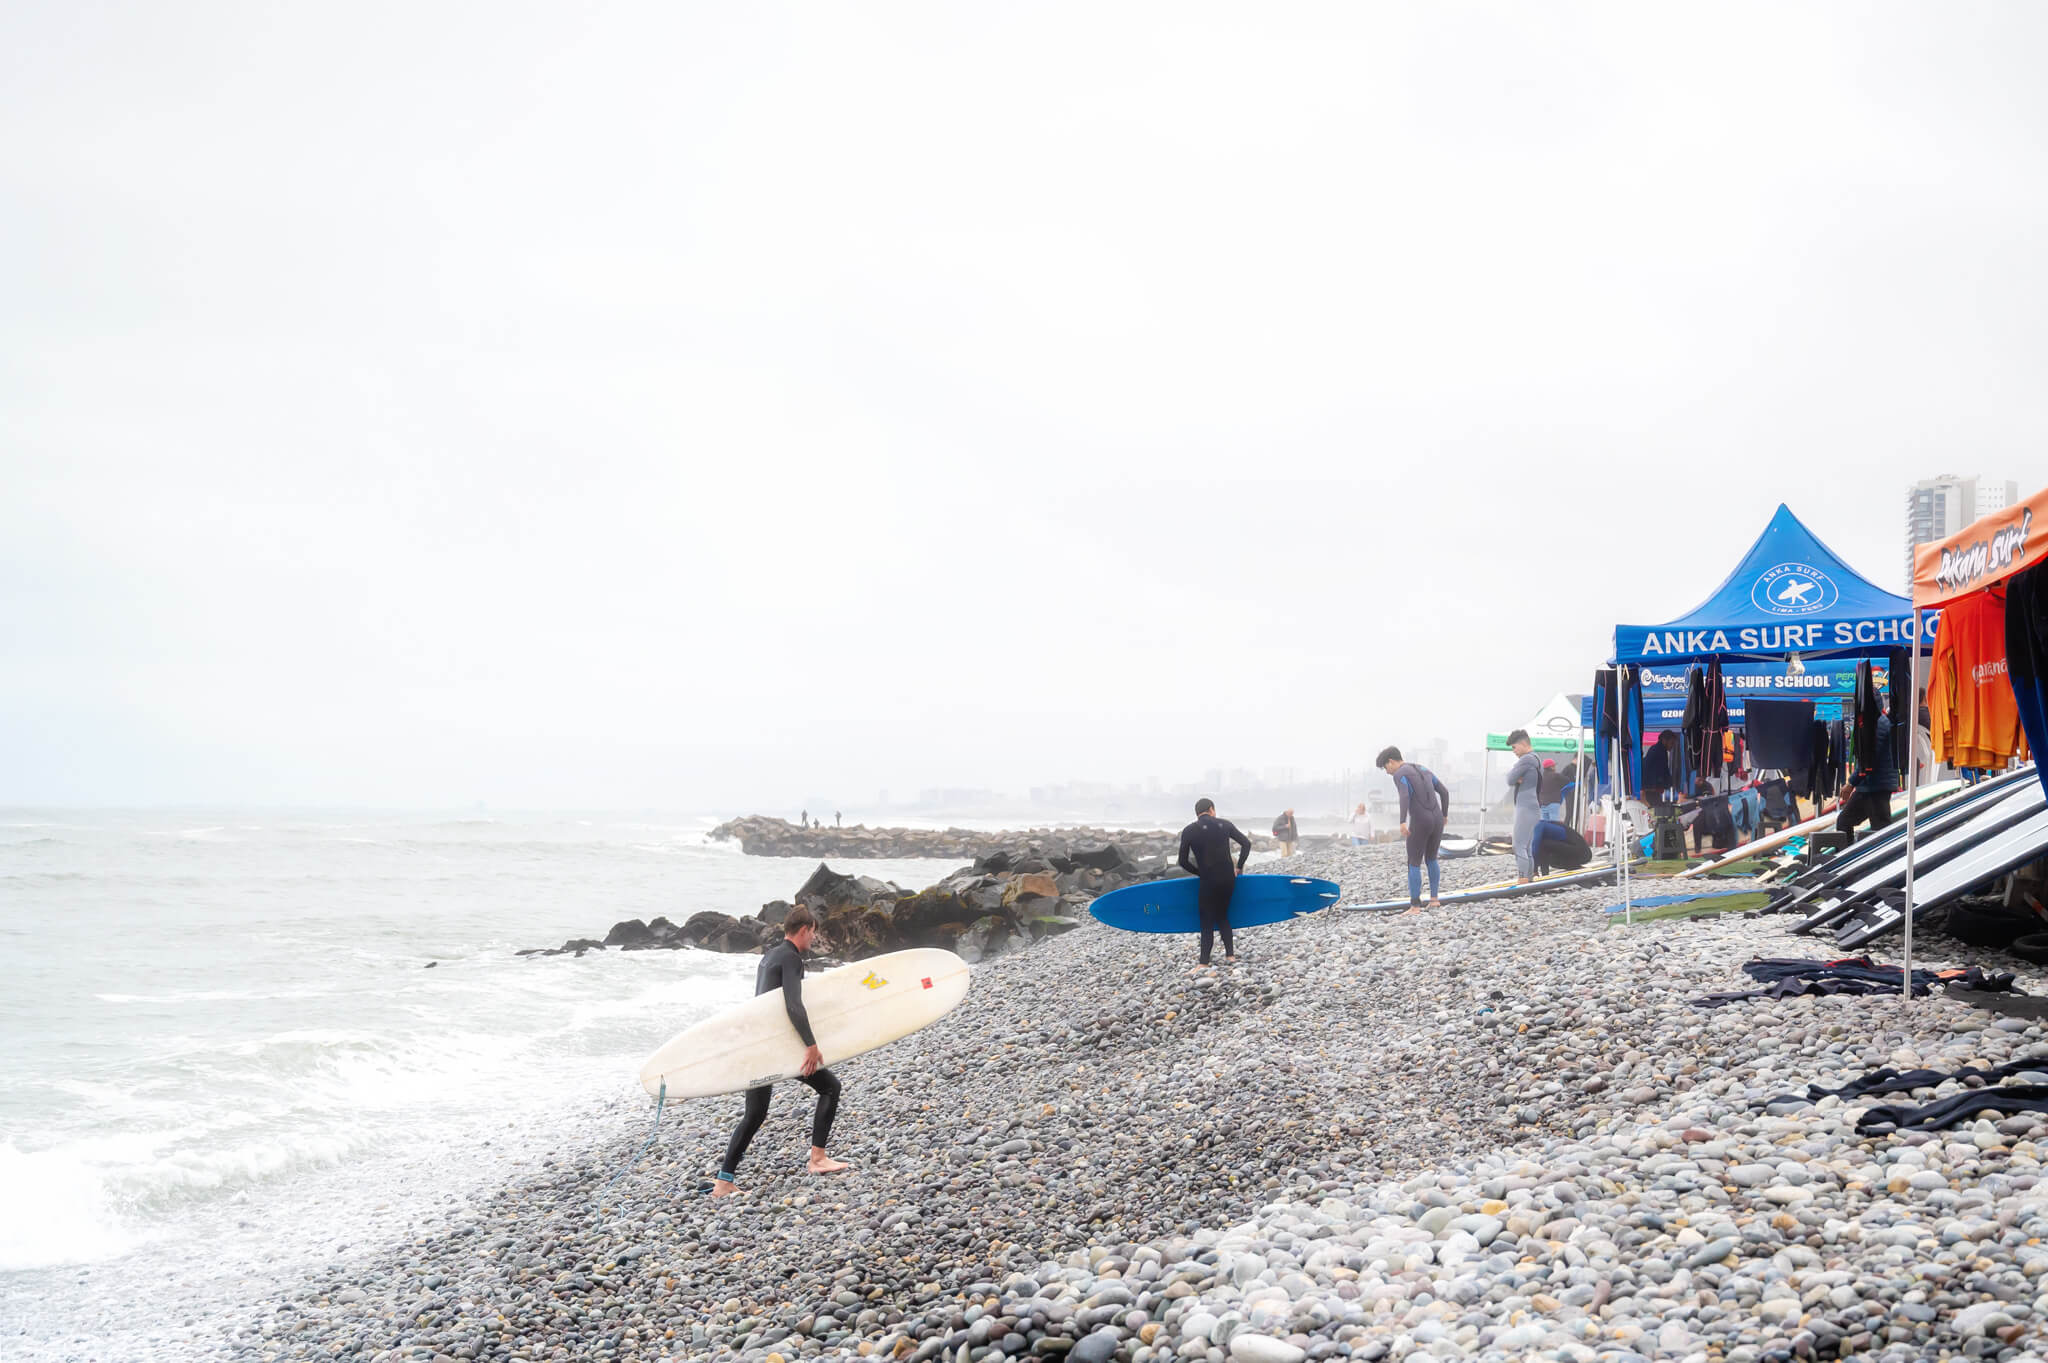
point(1965, 838)
point(1771, 842)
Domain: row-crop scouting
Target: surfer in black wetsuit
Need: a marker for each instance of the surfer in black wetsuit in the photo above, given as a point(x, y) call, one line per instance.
point(782, 967)
point(1205, 854)
point(1425, 804)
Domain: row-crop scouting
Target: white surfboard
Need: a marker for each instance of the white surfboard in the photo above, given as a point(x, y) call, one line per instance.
point(852, 1009)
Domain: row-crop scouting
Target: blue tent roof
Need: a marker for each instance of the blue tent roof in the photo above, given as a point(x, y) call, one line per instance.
point(1789, 594)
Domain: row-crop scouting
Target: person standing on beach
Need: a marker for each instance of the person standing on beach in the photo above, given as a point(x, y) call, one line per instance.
point(1205, 854)
point(1550, 787)
point(1425, 805)
point(782, 967)
point(1524, 781)
point(1870, 790)
point(1361, 825)
point(1284, 829)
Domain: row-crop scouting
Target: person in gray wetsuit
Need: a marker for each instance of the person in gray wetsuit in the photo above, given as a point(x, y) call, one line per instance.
point(1425, 809)
point(1524, 780)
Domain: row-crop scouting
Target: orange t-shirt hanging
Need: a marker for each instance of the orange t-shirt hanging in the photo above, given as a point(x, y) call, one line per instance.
point(1976, 720)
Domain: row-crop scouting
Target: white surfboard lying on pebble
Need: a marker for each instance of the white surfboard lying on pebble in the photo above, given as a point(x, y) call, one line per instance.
point(853, 1009)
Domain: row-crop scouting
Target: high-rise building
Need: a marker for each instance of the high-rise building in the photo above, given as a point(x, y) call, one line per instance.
point(1938, 507)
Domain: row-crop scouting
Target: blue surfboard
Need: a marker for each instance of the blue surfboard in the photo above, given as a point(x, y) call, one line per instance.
point(1169, 905)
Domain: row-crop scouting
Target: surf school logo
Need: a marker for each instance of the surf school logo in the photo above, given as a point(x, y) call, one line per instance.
point(1160, 908)
point(873, 981)
point(1794, 589)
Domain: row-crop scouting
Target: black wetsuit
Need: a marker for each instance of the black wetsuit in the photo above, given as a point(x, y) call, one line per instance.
point(1205, 853)
point(1871, 797)
point(782, 967)
point(1555, 847)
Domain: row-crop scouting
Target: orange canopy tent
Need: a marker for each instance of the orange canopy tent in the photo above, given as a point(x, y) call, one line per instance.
point(1988, 550)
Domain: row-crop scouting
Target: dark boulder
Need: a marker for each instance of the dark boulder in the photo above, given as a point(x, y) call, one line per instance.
point(631, 933)
point(856, 912)
point(986, 938)
point(1081, 881)
point(773, 912)
point(918, 917)
point(716, 931)
point(575, 946)
point(1108, 857)
point(827, 890)
point(983, 896)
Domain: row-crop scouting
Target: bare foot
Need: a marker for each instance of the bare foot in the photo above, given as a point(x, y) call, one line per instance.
point(1230, 960)
point(824, 1164)
point(720, 1188)
point(1416, 909)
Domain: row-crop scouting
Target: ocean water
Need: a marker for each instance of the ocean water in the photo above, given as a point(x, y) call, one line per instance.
point(223, 1054)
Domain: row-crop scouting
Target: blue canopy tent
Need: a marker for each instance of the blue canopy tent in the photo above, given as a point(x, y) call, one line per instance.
point(1790, 596)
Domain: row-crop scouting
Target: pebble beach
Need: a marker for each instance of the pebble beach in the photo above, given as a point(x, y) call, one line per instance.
point(1495, 1131)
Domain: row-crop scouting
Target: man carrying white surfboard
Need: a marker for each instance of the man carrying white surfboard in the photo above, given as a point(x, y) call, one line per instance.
point(782, 967)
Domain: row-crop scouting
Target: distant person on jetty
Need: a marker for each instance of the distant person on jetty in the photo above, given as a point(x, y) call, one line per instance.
point(835, 818)
point(1286, 832)
point(804, 819)
point(1525, 779)
point(1205, 854)
point(1425, 804)
point(782, 967)
point(1361, 825)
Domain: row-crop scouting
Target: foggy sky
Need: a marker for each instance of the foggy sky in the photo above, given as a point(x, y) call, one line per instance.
point(691, 406)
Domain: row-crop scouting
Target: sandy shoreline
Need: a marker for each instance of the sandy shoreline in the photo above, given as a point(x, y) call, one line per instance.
point(1494, 1131)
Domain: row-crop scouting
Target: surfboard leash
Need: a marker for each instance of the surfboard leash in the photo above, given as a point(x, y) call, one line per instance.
point(660, 1101)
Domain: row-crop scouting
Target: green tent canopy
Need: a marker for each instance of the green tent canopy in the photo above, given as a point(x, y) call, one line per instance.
point(1540, 742)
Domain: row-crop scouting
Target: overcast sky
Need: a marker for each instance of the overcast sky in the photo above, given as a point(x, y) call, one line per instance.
point(710, 406)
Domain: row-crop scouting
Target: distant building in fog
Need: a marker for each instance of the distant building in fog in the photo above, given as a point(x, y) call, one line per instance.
point(1938, 507)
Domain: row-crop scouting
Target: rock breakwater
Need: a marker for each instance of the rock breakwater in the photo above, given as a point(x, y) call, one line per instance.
point(1003, 902)
point(761, 836)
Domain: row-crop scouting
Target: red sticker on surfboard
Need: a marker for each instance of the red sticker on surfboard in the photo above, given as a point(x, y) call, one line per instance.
point(927, 982)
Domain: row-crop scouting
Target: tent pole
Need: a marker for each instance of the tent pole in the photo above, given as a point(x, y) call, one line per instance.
point(1485, 770)
point(1578, 776)
point(1622, 848)
point(1912, 786)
